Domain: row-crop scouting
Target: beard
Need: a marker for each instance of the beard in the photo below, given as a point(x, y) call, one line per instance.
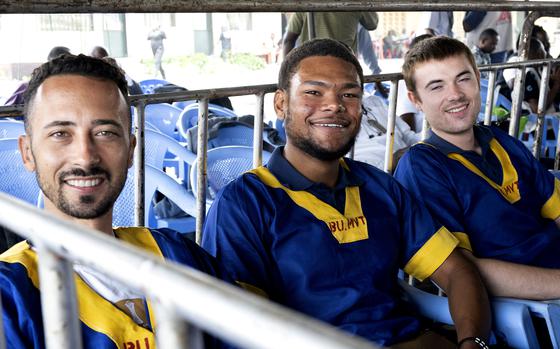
point(86, 208)
point(311, 147)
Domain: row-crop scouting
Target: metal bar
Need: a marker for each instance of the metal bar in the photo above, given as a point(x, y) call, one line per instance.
point(390, 139)
point(201, 157)
point(519, 82)
point(489, 98)
point(220, 309)
point(311, 25)
point(541, 110)
point(139, 170)
point(122, 6)
point(425, 129)
point(258, 131)
point(171, 330)
point(58, 301)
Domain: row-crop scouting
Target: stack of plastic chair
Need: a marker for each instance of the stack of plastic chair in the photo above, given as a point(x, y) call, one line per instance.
point(189, 116)
point(15, 179)
point(224, 164)
point(163, 117)
point(11, 128)
point(149, 85)
point(512, 322)
point(162, 151)
point(155, 181)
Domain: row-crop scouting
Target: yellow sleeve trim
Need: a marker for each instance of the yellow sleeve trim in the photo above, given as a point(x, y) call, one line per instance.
point(551, 208)
point(252, 289)
point(464, 241)
point(430, 256)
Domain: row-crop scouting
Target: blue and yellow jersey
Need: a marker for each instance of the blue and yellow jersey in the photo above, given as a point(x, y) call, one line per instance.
point(333, 254)
point(501, 204)
point(104, 326)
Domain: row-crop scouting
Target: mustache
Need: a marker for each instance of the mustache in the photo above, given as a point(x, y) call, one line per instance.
point(79, 172)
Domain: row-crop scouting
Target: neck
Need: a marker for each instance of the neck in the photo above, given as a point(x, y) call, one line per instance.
point(102, 224)
point(465, 140)
point(316, 170)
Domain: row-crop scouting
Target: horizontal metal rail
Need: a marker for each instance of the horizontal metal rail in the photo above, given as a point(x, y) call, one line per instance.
point(122, 6)
point(223, 310)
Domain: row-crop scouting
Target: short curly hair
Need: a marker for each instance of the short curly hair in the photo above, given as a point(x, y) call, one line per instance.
point(317, 47)
point(76, 65)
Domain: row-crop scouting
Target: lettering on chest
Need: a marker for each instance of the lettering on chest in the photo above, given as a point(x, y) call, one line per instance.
point(137, 344)
point(341, 225)
point(510, 192)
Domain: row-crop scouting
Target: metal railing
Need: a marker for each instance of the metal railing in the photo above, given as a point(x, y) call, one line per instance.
point(178, 294)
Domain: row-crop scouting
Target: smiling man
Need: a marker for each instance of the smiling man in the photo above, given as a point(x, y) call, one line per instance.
point(482, 184)
point(326, 235)
point(78, 142)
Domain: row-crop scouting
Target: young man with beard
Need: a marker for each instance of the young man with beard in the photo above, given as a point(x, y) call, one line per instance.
point(326, 235)
point(482, 184)
point(79, 144)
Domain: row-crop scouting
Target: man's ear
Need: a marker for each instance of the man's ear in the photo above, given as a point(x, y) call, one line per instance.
point(24, 144)
point(131, 150)
point(280, 105)
point(414, 99)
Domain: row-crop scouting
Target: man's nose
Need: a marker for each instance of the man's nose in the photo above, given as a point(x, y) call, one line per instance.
point(332, 101)
point(455, 92)
point(86, 152)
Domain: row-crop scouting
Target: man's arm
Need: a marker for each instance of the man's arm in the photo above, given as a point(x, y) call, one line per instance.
point(369, 20)
point(505, 279)
point(468, 300)
point(472, 20)
point(557, 221)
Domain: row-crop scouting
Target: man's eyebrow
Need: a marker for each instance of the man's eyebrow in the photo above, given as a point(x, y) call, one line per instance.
point(321, 83)
point(101, 122)
point(59, 123)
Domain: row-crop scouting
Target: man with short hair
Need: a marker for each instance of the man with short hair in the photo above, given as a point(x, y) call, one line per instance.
point(326, 235)
point(78, 142)
point(487, 42)
point(482, 184)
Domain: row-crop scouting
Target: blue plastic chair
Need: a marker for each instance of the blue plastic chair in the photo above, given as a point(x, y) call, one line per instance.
point(11, 129)
point(163, 116)
point(162, 151)
point(149, 85)
point(183, 104)
point(512, 318)
point(156, 181)
point(224, 164)
point(189, 116)
point(548, 146)
point(15, 179)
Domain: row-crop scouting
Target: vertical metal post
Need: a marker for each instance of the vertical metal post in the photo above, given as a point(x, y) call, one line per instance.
point(517, 94)
point(58, 301)
point(489, 98)
point(311, 25)
point(541, 110)
point(201, 157)
point(172, 332)
point(258, 131)
point(425, 128)
point(389, 141)
point(139, 172)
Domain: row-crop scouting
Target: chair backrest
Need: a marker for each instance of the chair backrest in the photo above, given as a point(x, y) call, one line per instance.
point(189, 116)
point(149, 85)
point(232, 135)
point(156, 180)
point(163, 116)
point(225, 164)
point(15, 179)
point(11, 129)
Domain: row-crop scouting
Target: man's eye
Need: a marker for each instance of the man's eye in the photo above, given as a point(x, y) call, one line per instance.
point(435, 88)
point(59, 134)
point(312, 92)
point(351, 95)
point(106, 133)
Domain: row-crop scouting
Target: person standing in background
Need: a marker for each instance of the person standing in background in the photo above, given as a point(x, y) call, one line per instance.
point(475, 22)
point(156, 37)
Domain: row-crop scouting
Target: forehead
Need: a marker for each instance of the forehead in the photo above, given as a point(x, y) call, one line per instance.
point(74, 96)
point(325, 68)
point(439, 69)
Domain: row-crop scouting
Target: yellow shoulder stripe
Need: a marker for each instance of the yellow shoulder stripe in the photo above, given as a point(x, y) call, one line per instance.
point(551, 208)
point(350, 227)
point(509, 188)
point(464, 241)
point(430, 256)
